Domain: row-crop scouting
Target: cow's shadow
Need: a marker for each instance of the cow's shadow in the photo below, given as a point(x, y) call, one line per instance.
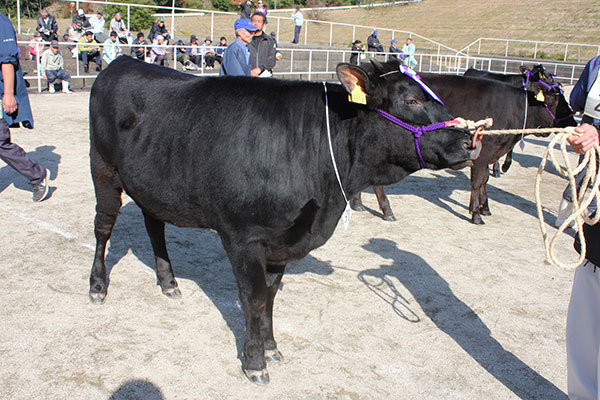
point(451, 316)
point(47, 158)
point(439, 188)
point(196, 255)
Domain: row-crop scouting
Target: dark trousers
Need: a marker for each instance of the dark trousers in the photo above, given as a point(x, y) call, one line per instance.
point(59, 74)
point(49, 37)
point(16, 157)
point(209, 60)
point(87, 56)
point(297, 33)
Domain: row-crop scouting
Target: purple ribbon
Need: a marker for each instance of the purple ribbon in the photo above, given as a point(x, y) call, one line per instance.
point(417, 131)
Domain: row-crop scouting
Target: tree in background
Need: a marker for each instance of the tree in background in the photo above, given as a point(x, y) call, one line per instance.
point(141, 18)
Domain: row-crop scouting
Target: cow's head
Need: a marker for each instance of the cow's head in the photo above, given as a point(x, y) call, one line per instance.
point(389, 89)
point(548, 93)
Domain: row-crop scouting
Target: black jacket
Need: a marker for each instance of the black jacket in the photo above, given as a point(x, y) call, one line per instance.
point(246, 10)
point(262, 52)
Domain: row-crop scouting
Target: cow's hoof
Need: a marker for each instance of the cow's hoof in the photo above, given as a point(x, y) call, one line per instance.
point(173, 293)
point(97, 298)
point(359, 208)
point(258, 377)
point(496, 174)
point(273, 355)
point(485, 211)
point(476, 219)
point(389, 218)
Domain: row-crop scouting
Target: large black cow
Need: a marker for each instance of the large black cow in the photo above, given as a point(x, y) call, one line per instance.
point(475, 99)
point(263, 179)
point(527, 78)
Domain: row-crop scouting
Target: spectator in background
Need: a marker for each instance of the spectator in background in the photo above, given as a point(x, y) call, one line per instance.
point(97, 21)
point(261, 9)
point(373, 43)
point(47, 26)
point(236, 59)
point(157, 29)
point(139, 52)
point(356, 50)
point(111, 48)
point(246, 9)
point(16, 109)
point(298, 22)
point(278, 54)
point(208, 53)
point(118, 25)
point(394, 49)
point(73, 35)
point(81, 17)
point(52, 68)
point(89, 51)
point(262, 49)
point(194, 51)
point(183, 57)
point(158, 52)
point(409, 54)
point(220, 49)
point(36, 45)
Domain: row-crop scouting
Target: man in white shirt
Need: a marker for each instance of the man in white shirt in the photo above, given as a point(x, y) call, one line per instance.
point(97, 21)
point(118, 25)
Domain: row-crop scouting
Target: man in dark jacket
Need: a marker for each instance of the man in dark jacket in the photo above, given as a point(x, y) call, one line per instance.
point(157, 29)
point(15, 110)
point(47, 26)
point(373, 42)
point(356, 48)
point(246, 9)
point(262, 49)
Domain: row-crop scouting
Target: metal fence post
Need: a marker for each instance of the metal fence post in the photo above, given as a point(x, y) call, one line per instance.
point(566, 51)
point(305, 32)
point(310, 52)
point(212, 25)
point(330, 34)
point(506, 51)
point(535, 51)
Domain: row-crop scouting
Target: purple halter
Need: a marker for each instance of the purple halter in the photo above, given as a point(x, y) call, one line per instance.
point(417, 131)
point(528, 74)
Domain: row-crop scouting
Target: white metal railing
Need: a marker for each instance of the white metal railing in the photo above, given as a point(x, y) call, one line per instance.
point(533, 49)
point(321, 63)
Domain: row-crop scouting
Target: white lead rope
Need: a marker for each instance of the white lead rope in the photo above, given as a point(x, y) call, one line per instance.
point(347, 211)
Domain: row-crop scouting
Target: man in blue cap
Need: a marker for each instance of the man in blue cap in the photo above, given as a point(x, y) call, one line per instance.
point(15, 109)
point(236, 60)
point(373, 43)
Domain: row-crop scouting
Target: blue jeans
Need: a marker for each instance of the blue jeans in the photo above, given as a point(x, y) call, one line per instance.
point(59, 74)
point(297, 33)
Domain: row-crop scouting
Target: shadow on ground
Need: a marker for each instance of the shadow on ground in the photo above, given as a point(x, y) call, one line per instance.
point(453, 317)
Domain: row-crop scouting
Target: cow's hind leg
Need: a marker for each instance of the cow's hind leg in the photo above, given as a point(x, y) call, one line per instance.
point(108, 188)
point(484, 207)
point(249, 267)
point(164, 271)
point(384, 203)
point(273, 274)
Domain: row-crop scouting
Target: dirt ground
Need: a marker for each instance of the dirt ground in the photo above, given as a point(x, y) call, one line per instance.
point(428, 307)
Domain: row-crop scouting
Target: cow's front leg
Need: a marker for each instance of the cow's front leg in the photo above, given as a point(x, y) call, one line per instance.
point(484, 207)
point(384, 203)
point(249, 266)
point(273, 277)
point(164, 271)
point(477, 171)
point(356, 203)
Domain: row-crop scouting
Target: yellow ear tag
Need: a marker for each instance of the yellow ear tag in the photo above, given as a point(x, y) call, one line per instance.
point(357, 95)
point(540, 96)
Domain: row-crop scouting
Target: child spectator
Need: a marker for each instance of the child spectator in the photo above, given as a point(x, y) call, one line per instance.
point(158, 53)
point(111, 48)
point(36, 45)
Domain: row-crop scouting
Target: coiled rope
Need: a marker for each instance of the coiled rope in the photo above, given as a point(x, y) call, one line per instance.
point(587, 191)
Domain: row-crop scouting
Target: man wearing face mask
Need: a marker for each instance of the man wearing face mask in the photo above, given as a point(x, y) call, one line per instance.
point(263, 49)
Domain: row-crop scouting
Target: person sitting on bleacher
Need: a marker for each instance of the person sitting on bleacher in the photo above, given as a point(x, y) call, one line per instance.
point(111, 48)
point(158, 53)
point(97, 21)
point(47, 26)
point(139, 52)
point(36, 45)
point(52, 68)
point(89, 51)
point(73, 35)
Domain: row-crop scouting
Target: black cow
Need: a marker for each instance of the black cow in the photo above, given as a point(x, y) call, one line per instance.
point(527, 77)
point(475, 99)
point(263, 179)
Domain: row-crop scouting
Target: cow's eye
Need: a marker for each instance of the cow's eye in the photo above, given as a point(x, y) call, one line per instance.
point(411, 102)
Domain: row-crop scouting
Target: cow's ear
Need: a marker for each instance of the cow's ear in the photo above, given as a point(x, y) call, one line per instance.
point(523, 69)
point(351, 75)
point(538, 91)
